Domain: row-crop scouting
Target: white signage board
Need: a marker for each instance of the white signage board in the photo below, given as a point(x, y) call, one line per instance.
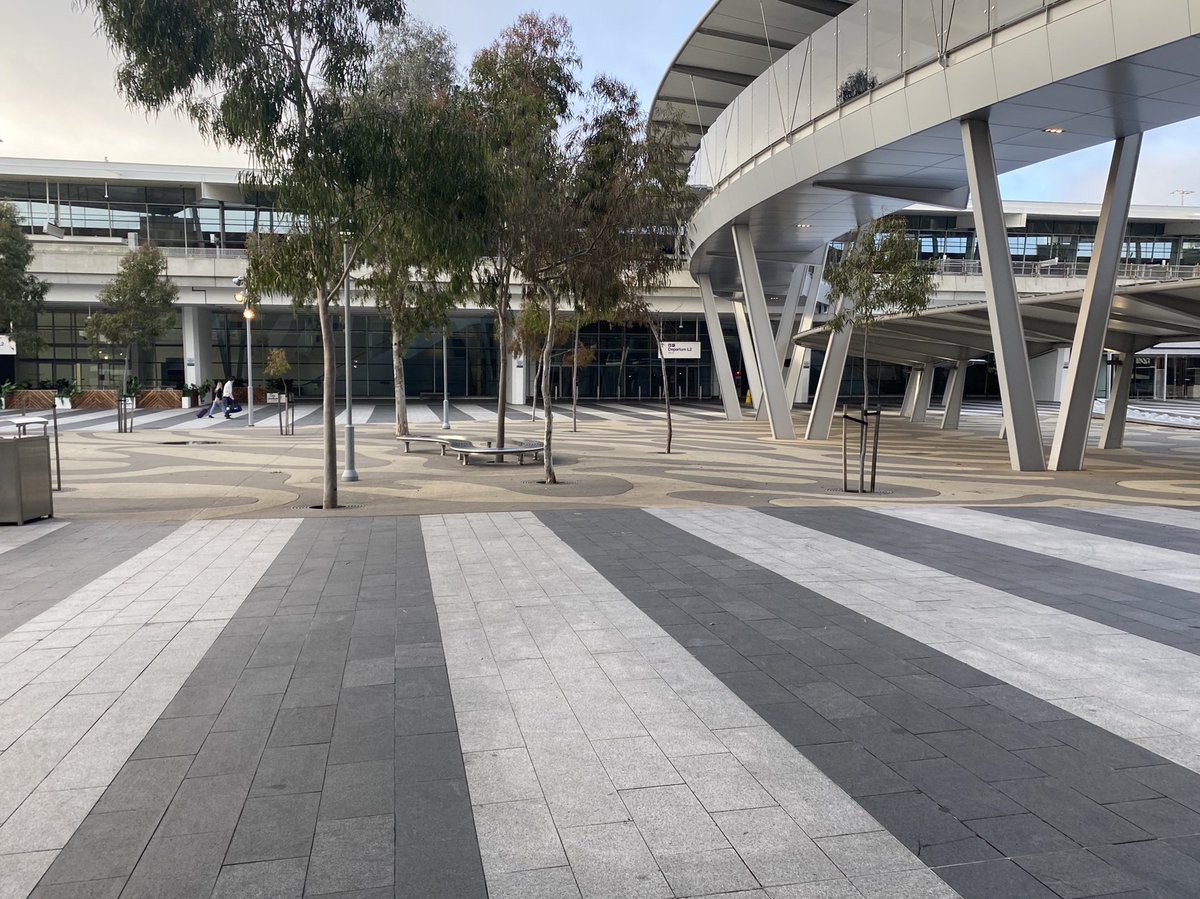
point(675, 349)
point(8, 346)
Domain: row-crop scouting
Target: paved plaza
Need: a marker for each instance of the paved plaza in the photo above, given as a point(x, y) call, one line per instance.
point(656, 691)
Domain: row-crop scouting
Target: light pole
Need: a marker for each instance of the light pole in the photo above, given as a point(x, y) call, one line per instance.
point(248, 315)
point(445, 386)
point(349, 474)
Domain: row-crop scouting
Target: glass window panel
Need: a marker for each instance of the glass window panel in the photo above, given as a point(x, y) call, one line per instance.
point(920, 34)
point(854, 78)
point(824, 68)
point(884, 52)
point(967, 20)
point(1006, 11)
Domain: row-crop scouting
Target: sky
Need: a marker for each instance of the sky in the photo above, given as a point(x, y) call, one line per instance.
point(57, 98)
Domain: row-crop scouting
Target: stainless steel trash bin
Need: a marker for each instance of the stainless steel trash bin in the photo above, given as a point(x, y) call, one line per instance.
point(25, 487)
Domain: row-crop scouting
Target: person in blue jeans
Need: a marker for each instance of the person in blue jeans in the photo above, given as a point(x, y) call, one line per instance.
point(227, 398)
point(214, 406)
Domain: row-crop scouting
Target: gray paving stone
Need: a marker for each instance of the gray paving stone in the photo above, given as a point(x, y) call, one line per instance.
point(672, 821)
point(634, 762)
point(436, 811)
point(773, 847)
point(232, 752)
point(104, 846)
point(501, 775)
point(439, 871)
point(303, 726)
point(352, 854)
point(428, 757)
point(877, 852)
point(612, 860)
point(930, 832)
point(517, 836)
point(425, 715)
point(183, 867)
point(359, 789)
point(706, 873)
point(1077, 873)
point(88, 889)
point(721, 783)
point(547, 883)
point(274, 827)
point(291, 769)
point(174, 736)
point(278, 879)
point(248, 712)
point(1018, 835)
point(1160, 817)
point(1001, 877)
point(206, 805)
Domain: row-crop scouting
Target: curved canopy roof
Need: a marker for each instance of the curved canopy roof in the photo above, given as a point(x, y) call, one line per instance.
point(735, 42)
point(1142, 315)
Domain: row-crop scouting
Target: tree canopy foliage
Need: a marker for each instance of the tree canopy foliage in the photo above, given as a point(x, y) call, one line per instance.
point(878, 272)
point(22, 295)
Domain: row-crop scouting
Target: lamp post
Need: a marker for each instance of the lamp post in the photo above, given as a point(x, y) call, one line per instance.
point(445, 386)
point(248, 315)
point(349, 474)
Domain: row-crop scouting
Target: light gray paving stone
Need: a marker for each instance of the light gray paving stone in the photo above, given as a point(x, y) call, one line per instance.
point(859, 854)
point(575, 783)
point(826, 889)
point(634, 762)
point(543, 714)
point(775, 849)
point(704, 873)
point(501, 775)
point(721, 783)
point(46, 820)
point(611, 861)
point(488, 728)
point(546, 883)
point(672, 821)
point(919, 884)
point(517, 836)
point(526, 674)
point(20, 872)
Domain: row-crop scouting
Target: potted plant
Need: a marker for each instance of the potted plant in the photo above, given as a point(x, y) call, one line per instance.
point(193, 392)
point(5, 389)
point(132, 387)
point(64, 390)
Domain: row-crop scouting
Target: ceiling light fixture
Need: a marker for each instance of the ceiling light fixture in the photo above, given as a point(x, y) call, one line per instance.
point(1053, 130)
point(804, 225)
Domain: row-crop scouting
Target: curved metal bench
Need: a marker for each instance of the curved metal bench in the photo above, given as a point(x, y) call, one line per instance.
point(520, 450)
point(444, 442)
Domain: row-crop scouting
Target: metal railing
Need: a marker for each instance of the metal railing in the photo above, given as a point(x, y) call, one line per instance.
point(1067, 270)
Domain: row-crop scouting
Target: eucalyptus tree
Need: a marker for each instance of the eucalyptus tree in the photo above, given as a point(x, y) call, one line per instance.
point(878, 272)
point(429, 237)
point(136, 308)
point(522, 88)
point(612, 205)
point(22, 295)
point(277, 80)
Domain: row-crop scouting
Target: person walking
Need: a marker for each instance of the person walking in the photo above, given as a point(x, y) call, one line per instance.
point(213, 406)
point(227, 398)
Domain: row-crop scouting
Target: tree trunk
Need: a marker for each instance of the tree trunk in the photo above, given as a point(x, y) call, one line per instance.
point(575, 379)
point(866, 380)
point(537, 383)
point(329, 497)
point(398, 380)
point(502, 379)
point(548, 452)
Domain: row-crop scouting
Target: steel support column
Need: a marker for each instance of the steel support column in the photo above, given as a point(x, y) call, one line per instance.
point(779, 411)
point(720, 354)
point(786, 329)
point(1087, 350)
point(952, 399)
point(910, 392)
point(1112, 435)
point(817, 290)
point(824, 403)
point(748, 358)
point(1025, 450)
point(924, 392)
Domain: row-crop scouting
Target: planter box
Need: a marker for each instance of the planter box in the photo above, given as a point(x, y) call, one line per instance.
point(159, 399)
point(187, 401)
point(62, 402)
point(95, 399)
point(31, 400)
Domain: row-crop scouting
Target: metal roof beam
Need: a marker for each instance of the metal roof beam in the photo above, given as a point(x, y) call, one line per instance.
point(692, 102)
point(827, 7)
point(735, 78)
point(755, 39)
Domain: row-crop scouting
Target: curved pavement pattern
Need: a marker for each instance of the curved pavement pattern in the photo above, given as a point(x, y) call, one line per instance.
point(832, 702)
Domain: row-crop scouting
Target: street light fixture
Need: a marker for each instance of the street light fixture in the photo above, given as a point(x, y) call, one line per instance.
point(445, 386)
point(350, 474)
point(248, 315)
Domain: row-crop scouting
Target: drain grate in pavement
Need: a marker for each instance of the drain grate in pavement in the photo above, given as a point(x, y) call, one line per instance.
point(190, 442)
point(319, 508)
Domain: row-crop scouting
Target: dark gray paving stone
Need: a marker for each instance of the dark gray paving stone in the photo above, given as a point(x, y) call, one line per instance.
point(885, 739)
point(929, 831)
point(1170, 780)
point(1081, 819)
point(357, 790)
point(144, 784)
point(424, 715)
point(1094, 779)
point(958, 790)
point(1098, 744)
point(232, 752)
point(274, 827)
point(433, 812)
point(855, 770)
point(1077, 874)
point(981, 756)
point(304, 725)
point(428, 757)
point(278, 879)
point(193, 701)
point(104, 846)
point(245, 711)
point(439, 871)
point(1160, 817)
point(1157, 864)
point(417, 682)
point(911, 713)
point(206, 805)
point(174, 736)
point(797, 723)
point(997, 879)
point(291, 769)
point(352, 854)
point(182, 867)
point(88, 889)
point(1017, 835)
point(1003, 729)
